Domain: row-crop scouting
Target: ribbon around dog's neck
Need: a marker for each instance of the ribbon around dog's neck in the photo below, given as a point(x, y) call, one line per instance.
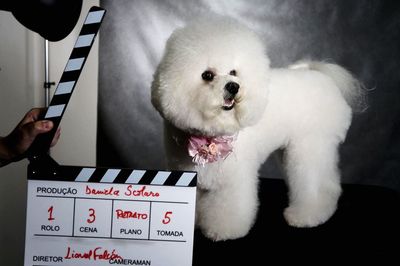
point(210, 149)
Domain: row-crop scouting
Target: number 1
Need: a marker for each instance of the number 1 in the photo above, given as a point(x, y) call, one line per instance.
point(50, 211)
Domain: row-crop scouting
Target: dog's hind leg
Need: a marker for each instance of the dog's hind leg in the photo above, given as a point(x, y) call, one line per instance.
point(313, 180)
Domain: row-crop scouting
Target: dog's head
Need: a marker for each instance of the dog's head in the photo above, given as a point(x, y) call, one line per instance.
point(213, 78)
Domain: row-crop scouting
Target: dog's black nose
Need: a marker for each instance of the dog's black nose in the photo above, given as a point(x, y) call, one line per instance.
point(232, 87)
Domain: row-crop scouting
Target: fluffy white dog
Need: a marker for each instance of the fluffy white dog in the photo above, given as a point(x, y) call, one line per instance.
point(226, 111)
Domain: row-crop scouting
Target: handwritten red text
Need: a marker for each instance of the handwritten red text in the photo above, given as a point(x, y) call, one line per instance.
point(92, 254)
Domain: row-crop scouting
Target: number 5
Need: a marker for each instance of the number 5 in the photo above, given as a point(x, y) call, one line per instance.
point(167, 218)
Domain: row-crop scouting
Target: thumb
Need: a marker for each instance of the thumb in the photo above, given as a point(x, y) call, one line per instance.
point(38, 127)
point(22, 137)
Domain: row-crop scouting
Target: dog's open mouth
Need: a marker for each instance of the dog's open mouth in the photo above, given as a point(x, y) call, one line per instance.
point(229, 103)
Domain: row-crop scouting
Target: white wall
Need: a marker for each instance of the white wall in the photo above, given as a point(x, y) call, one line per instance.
point(21, 88)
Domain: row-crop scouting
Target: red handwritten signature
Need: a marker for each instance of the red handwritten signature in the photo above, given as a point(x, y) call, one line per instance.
point(131, 190)
point(97, 253)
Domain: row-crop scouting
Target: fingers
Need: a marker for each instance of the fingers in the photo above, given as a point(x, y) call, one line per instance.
point(32, 116)
point(35, 113)
point(21, 138)
point(23, 135)
point(29, 131)
point(30, 127)
point(34, 128)
point(56, 137)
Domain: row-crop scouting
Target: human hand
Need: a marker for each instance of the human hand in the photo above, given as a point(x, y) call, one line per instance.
point(13, 146)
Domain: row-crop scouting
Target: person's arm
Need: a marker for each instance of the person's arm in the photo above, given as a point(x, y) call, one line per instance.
point(14, 146)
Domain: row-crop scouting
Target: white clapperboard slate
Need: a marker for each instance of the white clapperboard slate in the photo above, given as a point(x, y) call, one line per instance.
point(101, 216)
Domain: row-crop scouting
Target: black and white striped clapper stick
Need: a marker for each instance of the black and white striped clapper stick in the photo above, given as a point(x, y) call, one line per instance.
point(69, 78)
point(118, 176)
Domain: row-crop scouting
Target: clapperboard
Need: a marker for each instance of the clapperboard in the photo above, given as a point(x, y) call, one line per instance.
point(102, 216)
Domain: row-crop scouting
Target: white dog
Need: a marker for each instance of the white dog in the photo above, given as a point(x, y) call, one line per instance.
point(226, 111)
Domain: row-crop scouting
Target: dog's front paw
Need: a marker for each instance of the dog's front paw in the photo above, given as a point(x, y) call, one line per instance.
point(218, 225)
point(307, 216)
point(225, 232)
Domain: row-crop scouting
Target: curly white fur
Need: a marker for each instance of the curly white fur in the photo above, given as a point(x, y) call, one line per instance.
point(305, 109)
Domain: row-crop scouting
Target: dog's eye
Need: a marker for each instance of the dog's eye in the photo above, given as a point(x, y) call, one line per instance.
point(233, 72)
point(208, 75)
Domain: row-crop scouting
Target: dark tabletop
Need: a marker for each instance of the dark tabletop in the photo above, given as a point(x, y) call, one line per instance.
point(366, 224)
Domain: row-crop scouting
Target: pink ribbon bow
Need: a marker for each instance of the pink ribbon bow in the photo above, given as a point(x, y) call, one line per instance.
point(210, 149)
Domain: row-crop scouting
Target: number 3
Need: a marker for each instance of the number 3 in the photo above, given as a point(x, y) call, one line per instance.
point(167, 218)
point(91, 215)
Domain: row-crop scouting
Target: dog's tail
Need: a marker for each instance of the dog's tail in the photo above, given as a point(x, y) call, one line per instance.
point(352, 90)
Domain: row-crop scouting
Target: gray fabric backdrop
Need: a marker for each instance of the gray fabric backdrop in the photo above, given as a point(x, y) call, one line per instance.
point(361, 35)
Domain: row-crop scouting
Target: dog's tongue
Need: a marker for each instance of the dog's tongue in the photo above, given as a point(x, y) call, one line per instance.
point(228, 102)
